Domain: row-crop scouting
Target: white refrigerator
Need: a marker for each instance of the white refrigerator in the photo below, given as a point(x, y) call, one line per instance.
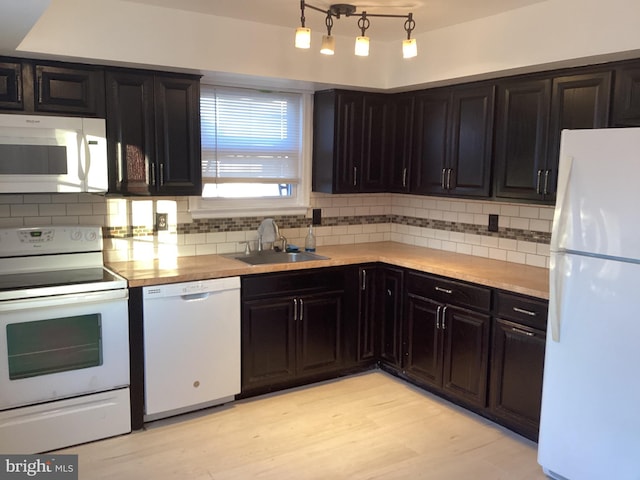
point(590, 419)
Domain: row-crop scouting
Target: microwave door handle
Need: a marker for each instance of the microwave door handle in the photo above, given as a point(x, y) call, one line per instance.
point(85, 161)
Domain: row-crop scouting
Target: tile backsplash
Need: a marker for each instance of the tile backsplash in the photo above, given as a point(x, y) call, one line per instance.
point(448, 224)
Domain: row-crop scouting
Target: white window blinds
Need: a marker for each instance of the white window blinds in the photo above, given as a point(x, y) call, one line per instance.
point(250, 135)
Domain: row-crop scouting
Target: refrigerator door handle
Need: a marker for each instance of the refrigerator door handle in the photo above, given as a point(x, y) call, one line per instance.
point(557, 236)
point(557, 274)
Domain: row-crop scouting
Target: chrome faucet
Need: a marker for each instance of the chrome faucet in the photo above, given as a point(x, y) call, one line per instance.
point(279, 237)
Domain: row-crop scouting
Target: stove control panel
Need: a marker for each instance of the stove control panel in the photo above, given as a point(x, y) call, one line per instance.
point(49, 240)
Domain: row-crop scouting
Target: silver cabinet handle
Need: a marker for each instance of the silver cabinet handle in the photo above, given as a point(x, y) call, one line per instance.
point(538, 182)
point(444, 311)
point(19, 85)
point(389, 292)
point(363, 286)
point(39, 88)
point(153, 173)
point(301, 309)
point(444, 171)
point(438, 317)
point(295, 309)
point(449, 170)
point(526, 312)
point(523, 332)
point(161, 174)
point(404, 177)
point(546, 181)
point(444, 290)
point(355, 176)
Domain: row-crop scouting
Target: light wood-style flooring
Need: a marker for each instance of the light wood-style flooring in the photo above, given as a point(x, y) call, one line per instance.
point(368, 426)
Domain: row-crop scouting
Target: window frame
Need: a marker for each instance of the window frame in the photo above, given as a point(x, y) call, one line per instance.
point(296, 204)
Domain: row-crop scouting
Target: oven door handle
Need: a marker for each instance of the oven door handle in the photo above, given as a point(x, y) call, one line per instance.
point(61, 300)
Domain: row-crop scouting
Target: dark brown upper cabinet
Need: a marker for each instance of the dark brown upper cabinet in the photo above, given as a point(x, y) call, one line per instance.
point(29, 86)
point(153, 133)
point(531, 116)
point(11, 89)
point(350, 144)
point(521, 137)
point(401, 138)
point(626, 96)
point(453, 141)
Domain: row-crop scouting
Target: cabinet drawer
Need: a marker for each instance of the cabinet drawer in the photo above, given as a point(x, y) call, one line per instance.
point(448, 291)
point(305, 281)
point(527, 310)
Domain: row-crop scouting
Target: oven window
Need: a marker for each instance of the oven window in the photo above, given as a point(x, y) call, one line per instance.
point(55, 345)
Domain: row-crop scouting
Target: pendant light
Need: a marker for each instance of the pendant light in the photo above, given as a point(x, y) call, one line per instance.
point(362, 42)
point(303, 34)
point(328, 42)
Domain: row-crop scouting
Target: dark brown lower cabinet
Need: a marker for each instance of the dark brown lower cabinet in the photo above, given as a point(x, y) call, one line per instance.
point(517, 362)
point(390, 303)
point(446, 343)
point(448, 349)
point(516, 376)
point(292, 329)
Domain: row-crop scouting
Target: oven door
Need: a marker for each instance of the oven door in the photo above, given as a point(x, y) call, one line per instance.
point(63, 346)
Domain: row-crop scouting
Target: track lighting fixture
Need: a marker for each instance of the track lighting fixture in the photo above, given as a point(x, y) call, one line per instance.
point(303, 34)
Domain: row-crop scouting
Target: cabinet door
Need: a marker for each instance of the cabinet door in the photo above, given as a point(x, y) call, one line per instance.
point(423, 356)
point(177, 112)
point(471, 141)
point(375, 144)
point(130, 132)
point(11, 86)
point(626, 97)
point(516, 376)
point(521, 137)
point(69, 90)
point(431, 140)
point(466, 354)
point(348, 142)
point(390, 297)
point(320, 325)
point(401, 135)
point(268, 342)
point(578, 101)
point(367, 302)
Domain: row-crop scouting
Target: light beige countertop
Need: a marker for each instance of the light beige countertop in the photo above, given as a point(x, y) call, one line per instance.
point(524, 279)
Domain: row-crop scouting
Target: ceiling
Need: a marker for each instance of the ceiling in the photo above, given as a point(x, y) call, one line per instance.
point(428, 14)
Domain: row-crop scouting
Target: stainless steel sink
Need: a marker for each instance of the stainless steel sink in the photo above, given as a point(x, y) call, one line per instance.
point(269, 256)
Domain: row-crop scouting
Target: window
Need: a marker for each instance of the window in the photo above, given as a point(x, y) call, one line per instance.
point(252, 155)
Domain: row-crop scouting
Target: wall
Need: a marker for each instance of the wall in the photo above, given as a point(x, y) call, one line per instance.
point(441, 223)
point(552, 32)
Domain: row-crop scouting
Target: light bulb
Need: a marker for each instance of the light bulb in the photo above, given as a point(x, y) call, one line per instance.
point(328, 45)
point(362, 46)
point(303, 37)
point(409, 48)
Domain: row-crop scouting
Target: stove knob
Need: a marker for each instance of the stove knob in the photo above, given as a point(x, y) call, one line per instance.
point(91, 236)
point(76, 235)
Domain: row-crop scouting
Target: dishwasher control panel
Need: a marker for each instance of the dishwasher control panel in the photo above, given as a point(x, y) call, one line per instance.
point(190, 288)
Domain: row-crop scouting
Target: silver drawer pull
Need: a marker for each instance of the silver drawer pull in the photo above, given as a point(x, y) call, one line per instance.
point(523, 332)
point(444, 290)
point(526, 312)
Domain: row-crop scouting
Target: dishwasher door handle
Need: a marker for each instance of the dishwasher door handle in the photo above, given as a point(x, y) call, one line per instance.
point(195, 296)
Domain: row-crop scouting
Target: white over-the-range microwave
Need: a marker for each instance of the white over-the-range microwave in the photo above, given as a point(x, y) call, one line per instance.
point(42, 154)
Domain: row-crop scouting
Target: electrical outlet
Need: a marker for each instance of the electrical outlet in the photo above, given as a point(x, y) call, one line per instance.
point(493, 223)
point(162, 221)
point(317, 216)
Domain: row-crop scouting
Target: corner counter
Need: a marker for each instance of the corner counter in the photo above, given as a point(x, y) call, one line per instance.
point(523, 279)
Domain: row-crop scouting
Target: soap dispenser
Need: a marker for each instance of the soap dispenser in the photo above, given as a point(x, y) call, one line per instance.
point(310, 241)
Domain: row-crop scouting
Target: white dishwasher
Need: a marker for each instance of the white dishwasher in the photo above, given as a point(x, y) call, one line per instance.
point(191, 345)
